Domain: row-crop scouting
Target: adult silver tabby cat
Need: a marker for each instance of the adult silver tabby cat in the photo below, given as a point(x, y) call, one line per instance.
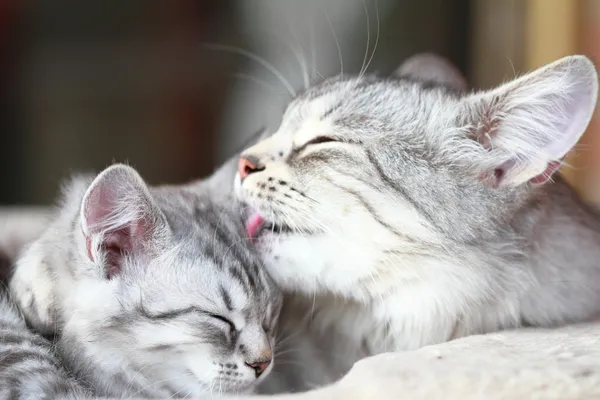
point(152, 292)
point(407, 211)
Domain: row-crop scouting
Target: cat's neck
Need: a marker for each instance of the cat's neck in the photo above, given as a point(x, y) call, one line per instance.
point(556, 210)
point(563, 234)
point(546, 272)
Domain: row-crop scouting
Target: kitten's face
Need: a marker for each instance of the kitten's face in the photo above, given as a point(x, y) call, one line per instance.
point(182, 321)
point(154, 287)
point(368, 179)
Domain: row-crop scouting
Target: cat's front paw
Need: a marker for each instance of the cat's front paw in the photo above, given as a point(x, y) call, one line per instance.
point(31, 289)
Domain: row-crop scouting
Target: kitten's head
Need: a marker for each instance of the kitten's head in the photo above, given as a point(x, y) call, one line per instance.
point(164, 290)
point(367, 178)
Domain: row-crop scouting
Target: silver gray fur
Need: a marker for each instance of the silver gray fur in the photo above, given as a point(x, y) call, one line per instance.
point(29, 366)
point(404, 211)
point(149, 330)
point(404, 199)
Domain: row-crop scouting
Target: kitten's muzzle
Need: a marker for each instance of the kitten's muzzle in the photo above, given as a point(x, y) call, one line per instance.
point(259, 366)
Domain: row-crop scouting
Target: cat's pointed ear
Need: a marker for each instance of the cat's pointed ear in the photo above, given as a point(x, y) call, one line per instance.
point(432, 68)
point(119, 218)
point(525, 127)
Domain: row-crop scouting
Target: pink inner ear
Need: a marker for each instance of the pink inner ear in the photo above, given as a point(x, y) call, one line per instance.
point(115, 245)
point(88, 246)
point(127, 237)
point(545, 176)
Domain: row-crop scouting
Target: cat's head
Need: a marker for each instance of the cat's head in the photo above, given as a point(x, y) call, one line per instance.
point(368, 178)
point(163, 289)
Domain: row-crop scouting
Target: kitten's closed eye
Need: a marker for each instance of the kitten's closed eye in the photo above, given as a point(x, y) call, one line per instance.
point(224, 320)
point(190, 310)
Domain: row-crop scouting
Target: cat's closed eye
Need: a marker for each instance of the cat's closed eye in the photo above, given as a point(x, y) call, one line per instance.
point(315, 141)
point(319, 140)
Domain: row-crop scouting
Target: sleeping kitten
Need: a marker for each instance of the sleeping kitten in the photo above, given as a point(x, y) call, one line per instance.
point(152, 292)
point(409, 212)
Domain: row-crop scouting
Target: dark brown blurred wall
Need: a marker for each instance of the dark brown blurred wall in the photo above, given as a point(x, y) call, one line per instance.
point(101, 81)
point(86, 83)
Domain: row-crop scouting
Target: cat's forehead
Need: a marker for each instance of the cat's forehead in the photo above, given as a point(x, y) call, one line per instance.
point(365, 103)
point(206, 254)
point(202, 276)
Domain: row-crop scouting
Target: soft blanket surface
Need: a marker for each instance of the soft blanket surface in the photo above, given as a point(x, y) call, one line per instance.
point(561, 364)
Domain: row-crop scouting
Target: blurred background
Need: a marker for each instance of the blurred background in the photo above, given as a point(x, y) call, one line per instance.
point(176, 87)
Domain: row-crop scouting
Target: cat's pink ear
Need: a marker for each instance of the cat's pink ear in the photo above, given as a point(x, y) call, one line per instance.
point(526, 127)
point(432, 68)
point(118, 218)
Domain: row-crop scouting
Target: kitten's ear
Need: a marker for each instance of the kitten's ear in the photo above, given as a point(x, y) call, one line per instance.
point(119, 218)
point(432, 68)
point(526, 127)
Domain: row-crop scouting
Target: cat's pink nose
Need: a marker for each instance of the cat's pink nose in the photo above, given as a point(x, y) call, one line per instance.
point(260, 366)
point(248, 165)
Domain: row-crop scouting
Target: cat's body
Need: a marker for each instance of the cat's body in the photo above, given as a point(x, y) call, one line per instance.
point(560, 286)
point(151, 292)
point(404, 212)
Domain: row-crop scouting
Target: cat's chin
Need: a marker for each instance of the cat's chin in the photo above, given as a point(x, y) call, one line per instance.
point(231, 387)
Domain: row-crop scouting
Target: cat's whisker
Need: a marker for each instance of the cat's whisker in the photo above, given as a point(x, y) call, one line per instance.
point(304, 67)
point(314, 302)
point(313, 46)
point(299, 55)
point(259, 82)
point(260, 60)
point(362, 68)
point(220, 387)
point(173, 396)
point(296, 50)
point(376, 40)
point(337, 43)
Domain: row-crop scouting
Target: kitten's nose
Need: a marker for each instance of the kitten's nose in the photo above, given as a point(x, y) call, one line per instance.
point(248, 165)
point(259, 366)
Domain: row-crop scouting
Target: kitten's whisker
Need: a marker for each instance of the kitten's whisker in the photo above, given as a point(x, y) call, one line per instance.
point(290, 362)
point(286, 339)
point(151, 385)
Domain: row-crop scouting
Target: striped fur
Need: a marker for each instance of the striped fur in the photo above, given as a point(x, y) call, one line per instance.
point(29, 366)
point(182, 311)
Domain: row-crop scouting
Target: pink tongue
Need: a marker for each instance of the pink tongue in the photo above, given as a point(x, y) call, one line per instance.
point(253, 225)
